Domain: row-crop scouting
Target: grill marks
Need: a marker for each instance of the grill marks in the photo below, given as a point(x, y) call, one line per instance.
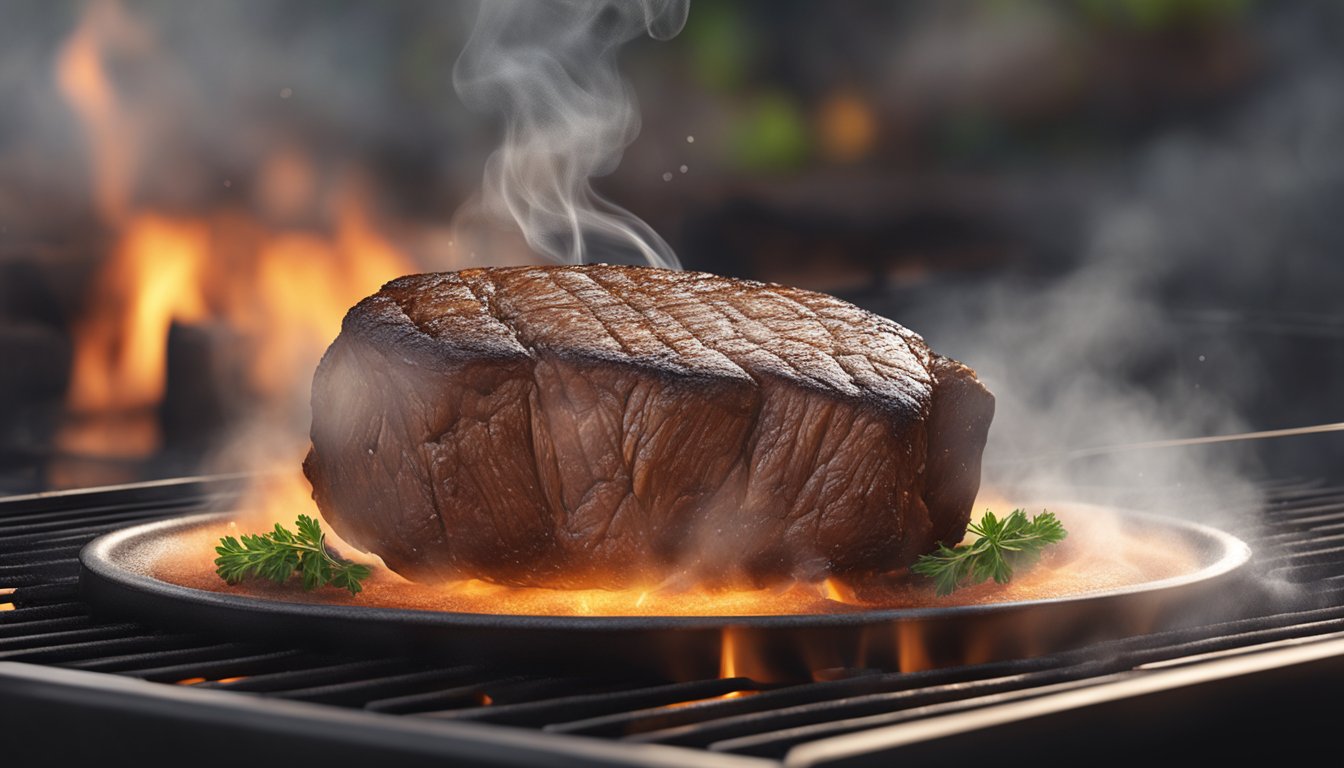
point(608, 426)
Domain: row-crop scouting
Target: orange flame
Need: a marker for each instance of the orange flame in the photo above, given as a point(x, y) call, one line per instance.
point(82, 79)
point(728, 655)
point(283, 294)
point(154, 277)
point(279, 292)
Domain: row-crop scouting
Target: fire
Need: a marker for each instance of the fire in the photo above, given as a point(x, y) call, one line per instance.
point(837, 591)
point(273, 294)
point(1114, 558)
point(477, 596)
point(82, 77)
point(728, 654)
point(281, 497)
point(199, 680)
point(154, 277)
point(279, 295)
point(1101, 554)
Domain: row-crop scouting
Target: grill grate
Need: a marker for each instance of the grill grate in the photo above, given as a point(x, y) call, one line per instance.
point(1299, 545)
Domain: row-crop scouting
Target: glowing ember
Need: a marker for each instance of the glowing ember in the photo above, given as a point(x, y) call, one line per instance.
point(199, 680)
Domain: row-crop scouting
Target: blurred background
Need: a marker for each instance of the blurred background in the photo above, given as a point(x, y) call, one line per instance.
point(1127, 215)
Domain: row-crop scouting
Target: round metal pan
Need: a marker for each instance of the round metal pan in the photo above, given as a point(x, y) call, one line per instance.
point(116, 578)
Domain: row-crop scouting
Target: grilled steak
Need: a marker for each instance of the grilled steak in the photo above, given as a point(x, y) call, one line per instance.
point(606, 426)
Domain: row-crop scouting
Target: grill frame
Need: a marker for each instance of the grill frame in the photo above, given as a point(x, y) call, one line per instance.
point(64, 676)
point(175, 718)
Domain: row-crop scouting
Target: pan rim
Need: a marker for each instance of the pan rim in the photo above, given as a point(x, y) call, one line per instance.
point(102, 560)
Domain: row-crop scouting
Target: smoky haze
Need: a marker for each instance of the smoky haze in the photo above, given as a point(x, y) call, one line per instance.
point(550, 73)
point(1197, 229)
point(1232, 211)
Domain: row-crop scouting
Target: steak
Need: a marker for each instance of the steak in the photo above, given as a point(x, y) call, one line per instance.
point(610, 426)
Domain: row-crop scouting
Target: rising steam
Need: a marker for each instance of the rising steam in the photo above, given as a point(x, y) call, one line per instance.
point(549, 70)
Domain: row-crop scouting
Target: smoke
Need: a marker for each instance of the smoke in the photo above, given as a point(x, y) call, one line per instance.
point(1199, 223)
point(550, 72)
point(1097, 360)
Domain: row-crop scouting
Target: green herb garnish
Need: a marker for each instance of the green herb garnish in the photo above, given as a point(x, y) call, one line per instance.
point(1013, 542)
point(277, 554)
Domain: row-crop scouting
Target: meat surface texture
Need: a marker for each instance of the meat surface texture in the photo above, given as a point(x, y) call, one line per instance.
point(608, 426)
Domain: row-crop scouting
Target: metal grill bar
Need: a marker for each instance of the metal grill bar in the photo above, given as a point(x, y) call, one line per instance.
point(317, 674)
point(462, 695)
point(103, 632)
point(22, 615)
point(537, 714)
point(38, 626)
point(355, 692)
point(172, 648)
point(777, 742)
point(229, 666)
point(96, 651)
point(1298, 538)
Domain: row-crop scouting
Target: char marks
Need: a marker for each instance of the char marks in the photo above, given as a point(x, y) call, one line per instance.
point(681, 322)
point(605, 426)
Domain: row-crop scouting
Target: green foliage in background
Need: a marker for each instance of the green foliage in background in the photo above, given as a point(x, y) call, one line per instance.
point(770, 135)
point(1158, 14)
point(721, 44)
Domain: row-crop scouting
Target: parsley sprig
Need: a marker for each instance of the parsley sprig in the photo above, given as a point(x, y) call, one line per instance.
point(1013, 542)
point(278, 553)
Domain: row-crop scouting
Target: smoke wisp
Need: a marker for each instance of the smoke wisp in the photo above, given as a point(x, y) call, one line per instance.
point(1196, 224)
point(550, 72)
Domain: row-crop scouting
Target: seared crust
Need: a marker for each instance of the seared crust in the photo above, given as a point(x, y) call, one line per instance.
point(621, 426)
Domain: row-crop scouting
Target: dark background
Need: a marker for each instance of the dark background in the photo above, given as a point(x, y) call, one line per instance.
point(1126, 214)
